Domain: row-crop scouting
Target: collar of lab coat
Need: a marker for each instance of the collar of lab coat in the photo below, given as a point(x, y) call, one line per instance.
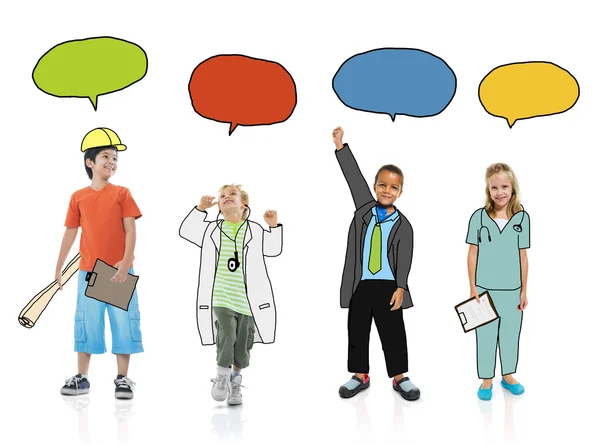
point(216, 234)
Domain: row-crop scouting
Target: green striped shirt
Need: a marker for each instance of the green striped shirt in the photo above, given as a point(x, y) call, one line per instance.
point(229, 289)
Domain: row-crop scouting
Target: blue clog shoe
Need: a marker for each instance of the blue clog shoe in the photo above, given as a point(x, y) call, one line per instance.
point(516, 389)
point(485, 394)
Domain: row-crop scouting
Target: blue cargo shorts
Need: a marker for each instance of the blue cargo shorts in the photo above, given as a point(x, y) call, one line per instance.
point(89, 324)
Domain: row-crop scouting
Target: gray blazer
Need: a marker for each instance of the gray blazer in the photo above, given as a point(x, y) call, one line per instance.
point(400, 241)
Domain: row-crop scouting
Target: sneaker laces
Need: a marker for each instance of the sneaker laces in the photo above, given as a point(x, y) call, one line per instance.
point(124, 382)
point(74, 380)
point(235, 388)
point(221, 378)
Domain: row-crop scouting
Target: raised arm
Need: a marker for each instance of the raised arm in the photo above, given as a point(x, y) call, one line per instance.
point(195, 224)
point(273, 238)
point(361, 193)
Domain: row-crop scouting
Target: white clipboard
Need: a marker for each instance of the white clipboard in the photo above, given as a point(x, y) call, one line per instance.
point(473, 315)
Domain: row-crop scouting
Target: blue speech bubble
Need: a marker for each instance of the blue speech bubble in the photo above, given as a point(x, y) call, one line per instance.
point(395, 81)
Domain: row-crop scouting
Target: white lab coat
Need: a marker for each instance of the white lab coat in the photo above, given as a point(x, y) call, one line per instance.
point(258, 243)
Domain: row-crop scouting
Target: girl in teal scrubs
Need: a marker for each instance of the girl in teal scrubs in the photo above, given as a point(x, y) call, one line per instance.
point(497, 263)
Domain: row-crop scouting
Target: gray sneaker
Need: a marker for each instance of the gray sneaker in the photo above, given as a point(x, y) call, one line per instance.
point(235, 391)
point(220, 387)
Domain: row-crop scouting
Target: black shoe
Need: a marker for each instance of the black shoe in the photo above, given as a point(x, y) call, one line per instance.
point(411, 395)
point(124, 387)
point(75, 386)
point(364, 384)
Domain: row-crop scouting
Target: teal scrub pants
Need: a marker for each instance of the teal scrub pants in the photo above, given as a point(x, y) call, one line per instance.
point(502, 333)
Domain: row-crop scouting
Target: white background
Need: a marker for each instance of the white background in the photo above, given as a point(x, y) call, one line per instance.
point(174, 156)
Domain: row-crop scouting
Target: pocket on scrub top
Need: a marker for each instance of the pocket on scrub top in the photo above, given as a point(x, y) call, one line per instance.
point(134, 325)
point(79, 327)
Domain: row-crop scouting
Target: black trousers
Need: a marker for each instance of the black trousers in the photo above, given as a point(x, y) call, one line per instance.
point(372, 300)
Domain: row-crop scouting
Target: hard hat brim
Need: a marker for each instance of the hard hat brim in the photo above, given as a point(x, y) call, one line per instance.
point(120, 147)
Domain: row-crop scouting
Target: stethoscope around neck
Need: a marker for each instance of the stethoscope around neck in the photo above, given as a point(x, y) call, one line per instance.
point(516, 227)
point(234, 262)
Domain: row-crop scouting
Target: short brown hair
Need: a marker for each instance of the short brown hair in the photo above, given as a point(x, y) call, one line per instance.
point(390, 168)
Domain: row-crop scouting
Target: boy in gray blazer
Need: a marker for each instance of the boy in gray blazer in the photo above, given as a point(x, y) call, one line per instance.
point(378, 260)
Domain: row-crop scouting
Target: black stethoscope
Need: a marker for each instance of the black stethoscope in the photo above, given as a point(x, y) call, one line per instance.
point(516, 227)
point(234, 263)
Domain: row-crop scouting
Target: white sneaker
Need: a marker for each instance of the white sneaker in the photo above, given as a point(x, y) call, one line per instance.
point(220, 387)
point(235, 391)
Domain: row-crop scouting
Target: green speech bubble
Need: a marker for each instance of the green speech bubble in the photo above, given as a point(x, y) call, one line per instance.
point(90, 68)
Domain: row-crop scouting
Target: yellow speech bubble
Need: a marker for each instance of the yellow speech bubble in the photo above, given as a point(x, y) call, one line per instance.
point(528, 89)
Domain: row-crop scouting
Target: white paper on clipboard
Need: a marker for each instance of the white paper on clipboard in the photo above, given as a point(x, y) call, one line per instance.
point(473, 314)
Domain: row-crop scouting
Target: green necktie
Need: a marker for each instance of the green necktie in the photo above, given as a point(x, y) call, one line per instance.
point(375, 254)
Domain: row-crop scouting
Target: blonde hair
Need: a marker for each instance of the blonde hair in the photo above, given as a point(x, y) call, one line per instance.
point(514, 204)
point(243, 195)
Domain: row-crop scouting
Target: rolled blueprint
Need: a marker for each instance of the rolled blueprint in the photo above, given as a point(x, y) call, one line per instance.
point(33, 310)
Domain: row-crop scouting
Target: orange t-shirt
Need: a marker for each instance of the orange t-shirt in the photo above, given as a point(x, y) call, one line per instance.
point(100, 214)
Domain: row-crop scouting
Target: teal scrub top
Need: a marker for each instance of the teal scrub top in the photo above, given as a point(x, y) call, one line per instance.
point(498, 260)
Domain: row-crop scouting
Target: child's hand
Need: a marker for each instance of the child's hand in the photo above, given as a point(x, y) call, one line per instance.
point(523, 303)
point(397, 299)
point(271, 218)
point(206, 202)
point(58, 279)
point(475, 294)
point(338, 135)
point(121, 274)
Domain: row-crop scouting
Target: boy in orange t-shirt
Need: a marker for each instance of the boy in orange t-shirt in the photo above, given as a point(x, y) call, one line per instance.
point(106, 214)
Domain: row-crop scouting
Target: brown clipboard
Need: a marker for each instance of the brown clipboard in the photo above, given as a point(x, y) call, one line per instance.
point(101, 288)
point(461, 314)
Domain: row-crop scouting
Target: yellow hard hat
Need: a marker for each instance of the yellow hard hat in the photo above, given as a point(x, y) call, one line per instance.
point(101, 137)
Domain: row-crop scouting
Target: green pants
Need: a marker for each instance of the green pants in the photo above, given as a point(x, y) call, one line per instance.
point(235, 337)
point(502, 333)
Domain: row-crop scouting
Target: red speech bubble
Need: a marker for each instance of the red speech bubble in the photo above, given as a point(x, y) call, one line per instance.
point(242, 90)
